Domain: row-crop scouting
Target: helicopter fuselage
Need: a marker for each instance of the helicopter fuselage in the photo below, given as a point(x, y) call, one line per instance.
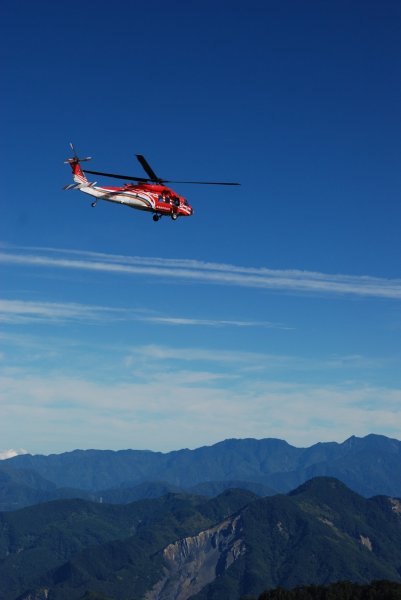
point(157, 199)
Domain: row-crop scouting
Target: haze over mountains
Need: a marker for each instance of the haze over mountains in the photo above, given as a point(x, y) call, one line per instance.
point(369, 465)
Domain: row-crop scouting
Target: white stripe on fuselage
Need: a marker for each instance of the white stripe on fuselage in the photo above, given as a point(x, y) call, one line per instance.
point(143, 200)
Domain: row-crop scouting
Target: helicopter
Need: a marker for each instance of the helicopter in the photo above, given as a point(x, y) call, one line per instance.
point(148, 194)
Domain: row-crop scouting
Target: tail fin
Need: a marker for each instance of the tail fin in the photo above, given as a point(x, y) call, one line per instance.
point(78, 175)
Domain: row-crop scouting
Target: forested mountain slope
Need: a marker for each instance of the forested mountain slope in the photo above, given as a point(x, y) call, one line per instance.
point(185, 547)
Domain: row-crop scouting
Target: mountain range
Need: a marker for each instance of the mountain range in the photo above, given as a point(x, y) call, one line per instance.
point(183, 546)
point(370, 466)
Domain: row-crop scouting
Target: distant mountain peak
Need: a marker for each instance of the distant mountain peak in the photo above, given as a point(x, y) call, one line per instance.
point(369, 465)
point(320, 482)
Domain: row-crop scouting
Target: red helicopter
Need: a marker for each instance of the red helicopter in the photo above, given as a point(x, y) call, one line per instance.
point(148, 193)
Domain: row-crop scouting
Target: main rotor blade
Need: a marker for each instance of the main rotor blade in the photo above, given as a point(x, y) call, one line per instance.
point(200, 182)
point(157, 180)
point(148, 169)
point(142, 179)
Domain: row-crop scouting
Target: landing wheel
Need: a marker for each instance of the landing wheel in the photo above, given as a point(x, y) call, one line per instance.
point(93, 204)
point(174, 216)
point(155, 218)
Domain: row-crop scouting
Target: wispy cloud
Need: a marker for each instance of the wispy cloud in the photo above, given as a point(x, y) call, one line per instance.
point(54, 412)
point(193, 354)
point(295, 281)
point(247, 361)
point(21, 311)
point(105, 359)
point(212, 322)
point(5, 454)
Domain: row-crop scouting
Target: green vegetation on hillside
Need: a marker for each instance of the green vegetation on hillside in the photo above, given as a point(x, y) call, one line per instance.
point(320, 533)
point(73, 546)
point(377, 590)
point(317, 535)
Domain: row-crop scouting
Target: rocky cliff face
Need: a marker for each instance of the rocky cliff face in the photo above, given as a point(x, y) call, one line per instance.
point(193, 562)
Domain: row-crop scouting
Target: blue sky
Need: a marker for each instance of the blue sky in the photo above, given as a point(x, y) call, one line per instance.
point(275, 311)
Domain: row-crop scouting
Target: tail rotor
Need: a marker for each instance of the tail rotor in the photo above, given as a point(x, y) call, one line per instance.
point(79, 177)
point(75, 158)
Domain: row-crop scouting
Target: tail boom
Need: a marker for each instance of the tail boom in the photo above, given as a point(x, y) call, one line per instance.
point(77, 173)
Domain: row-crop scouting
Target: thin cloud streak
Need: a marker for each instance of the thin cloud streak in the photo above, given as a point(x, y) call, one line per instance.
point(213, 322)
point(295, 281)
point(21, 312)
point(255, 364)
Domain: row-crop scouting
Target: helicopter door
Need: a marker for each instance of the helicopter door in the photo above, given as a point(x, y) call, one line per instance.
point(164, 202)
